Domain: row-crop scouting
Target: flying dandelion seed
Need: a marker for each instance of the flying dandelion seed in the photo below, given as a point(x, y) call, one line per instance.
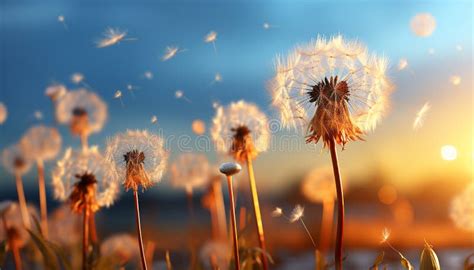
point(420, 116)
point(449, 152)
point(77, 78)
point(334, 91)
point(431, 51)
point(131, 89)
point(385, 235)
point(83, 111)
point(190, 171)
point(62, 20)
point(139, 159)
point(171, 52)
point(277, 212)
point(297, 213)
point(462, 209)
point(148, 75)
point(3, 113)
point(402, 64)
point(455, 80)
point(55, 92)
point(211, 37)
point(179, 94)
point(118, 95)
point(423, 24)
point(113, 36)
point(215, 104)
point(198, 127)
point(217, 78)
point(154, 119)
point(459, 48)
point(38, 115)
point(121, 247)
point(268, 26)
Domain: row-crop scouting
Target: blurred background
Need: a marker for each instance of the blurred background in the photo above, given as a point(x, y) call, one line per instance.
point(400, 177)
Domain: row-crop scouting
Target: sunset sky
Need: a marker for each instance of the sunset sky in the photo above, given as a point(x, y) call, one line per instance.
point(37, 50)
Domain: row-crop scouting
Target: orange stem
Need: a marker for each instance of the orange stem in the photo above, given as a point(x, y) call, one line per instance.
point(43, 203)
point(234, 223)
point(139, 230)
point(22, 201)
point(340, 206)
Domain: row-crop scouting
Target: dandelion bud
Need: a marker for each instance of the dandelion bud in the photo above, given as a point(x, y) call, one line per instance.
point(428, 259)
point(230, 168)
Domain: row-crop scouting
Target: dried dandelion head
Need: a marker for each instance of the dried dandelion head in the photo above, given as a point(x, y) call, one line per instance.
point(120, 247)
point(66, 225)
point(3, 113)
point(138, 157)
point(15, 161)
point(241, 130)
point(462, 209)
point(83, 111)
point(55, 92)
point(297, 213)
point(215, 254)
point(333, 89)
point(190, 171)
point(86, 179)
point(423, 24)
point(41, 143)
point(318, 185)
point(13, 229)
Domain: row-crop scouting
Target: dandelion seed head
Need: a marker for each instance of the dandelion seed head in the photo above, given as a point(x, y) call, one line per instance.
point(318, 185)
point(423, 24)
point(455, 80)
point(240, 129)
point(77, 78)
point(55, 92)
point(190, 171)
point(85, 177)
point(139, 158)
point(111, 37)
point(421, 116)
point(385, 235)
point(402, 64)
point(3, 113)
point(277, 212)
point(297, 213)
point(83, 111)
point(66, 226)
point(199, 127)
point(210, 37)
point(121, 248)
point(15, 161)
point(154, 119)
point(41, 143)
point(331, 89)
point(462, 209)
point(215, 254)
point(170, 52)
point(118, 94)
point(15, 230)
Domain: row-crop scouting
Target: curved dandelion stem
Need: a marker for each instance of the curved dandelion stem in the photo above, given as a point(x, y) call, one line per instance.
point(93, 229)
point(85, 236)
point(258, 215)
point(42, 195)
point(308, 233)
point(326, 226)
point(139, 230)
point(340, 205)
point(22, 201)
point(234, 223)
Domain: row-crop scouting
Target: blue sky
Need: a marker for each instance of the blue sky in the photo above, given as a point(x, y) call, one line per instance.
point(37, 50)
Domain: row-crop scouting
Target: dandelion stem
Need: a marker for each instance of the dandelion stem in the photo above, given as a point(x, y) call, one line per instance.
point(22, 201)
point(220, 209)
point(150, 251)
point(42, 195)
point(340, 205)
point(308, 233)
point(326, 224)
point(84, 141)
point(189, 196)
point(93, 229)
point(168, 261)
point(234, 223)
point(139, 230)
point(85, 237)
point(258, 215)
point(16, 255)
